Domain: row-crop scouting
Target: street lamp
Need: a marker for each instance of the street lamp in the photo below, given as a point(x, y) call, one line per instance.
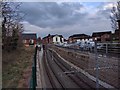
point(97, 65)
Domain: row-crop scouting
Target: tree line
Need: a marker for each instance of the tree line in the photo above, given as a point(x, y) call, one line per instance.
point(115, 17)
point(11, 26)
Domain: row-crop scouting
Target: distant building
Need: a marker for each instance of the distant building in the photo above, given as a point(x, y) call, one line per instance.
point(115, 36)
point(79, 37)
point(65, 41)
point(47, 39)
point(29, 39)
point(57, 39)
point(102, 36)
point(39, 40)
point(53, 39)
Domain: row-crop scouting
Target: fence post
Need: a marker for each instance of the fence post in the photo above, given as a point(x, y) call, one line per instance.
point(35, 63)
point(33, 81)
point(97, 66)
point(106, 48)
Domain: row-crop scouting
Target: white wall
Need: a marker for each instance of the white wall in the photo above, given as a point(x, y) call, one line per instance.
point(54, 39)
point(58, 39)
point(63, 40)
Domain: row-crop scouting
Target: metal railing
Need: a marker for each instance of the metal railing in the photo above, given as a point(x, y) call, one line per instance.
point(33, 80)
point(109, 49)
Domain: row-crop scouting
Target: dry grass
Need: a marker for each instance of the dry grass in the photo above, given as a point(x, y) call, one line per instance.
point(14, 65)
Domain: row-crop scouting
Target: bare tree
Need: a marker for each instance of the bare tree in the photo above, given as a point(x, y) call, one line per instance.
point(11, 26)
point(115, 17)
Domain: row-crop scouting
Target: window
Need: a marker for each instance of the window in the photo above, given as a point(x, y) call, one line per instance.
point(56, 39)
point(31, 41)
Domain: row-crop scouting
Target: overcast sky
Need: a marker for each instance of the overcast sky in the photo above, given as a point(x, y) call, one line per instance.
point(66, 18)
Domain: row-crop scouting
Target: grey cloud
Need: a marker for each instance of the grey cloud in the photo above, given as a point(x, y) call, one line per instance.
point(62, 18)
point(52, 14)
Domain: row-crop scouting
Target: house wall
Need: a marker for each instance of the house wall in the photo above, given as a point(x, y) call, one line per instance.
point(27, 42)
point(56, 39)
point(105, 38)
point(62, 40)
point(98, 39)
point(72, 40)
point(50, 40)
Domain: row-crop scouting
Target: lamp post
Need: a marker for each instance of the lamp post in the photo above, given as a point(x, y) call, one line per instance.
point(97, 66)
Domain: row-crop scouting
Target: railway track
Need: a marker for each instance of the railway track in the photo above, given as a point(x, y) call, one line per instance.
point(108, 71)
point(73, 74)
point(62, 75)
point(53, 80)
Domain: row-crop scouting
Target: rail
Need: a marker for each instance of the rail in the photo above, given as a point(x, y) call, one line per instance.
point(33, 80)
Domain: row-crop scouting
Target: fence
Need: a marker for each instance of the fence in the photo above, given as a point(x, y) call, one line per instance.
point(109, 49)
point(33, 80)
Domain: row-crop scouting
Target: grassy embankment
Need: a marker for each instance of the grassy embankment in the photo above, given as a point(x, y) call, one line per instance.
point(16, 67)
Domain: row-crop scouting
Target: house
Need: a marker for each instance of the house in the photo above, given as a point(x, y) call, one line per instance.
point(47, 39)
point(79, 37)
point(102, 36)
point(53, 39)
point(58, 39)
point(29, 39)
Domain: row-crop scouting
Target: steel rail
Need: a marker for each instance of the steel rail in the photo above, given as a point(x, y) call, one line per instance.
point(77, 79)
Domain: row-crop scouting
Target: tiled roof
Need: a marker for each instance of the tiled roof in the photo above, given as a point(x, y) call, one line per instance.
point(53, 36)
point(79, 36)
point(29, 36)
point(99, 34)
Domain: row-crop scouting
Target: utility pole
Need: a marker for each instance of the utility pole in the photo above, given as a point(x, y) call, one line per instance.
point(119, 29)
point(97, 66)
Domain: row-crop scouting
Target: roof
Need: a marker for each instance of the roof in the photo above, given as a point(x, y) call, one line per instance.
point(99, 34)
point(52, 36)
point(29, 36)
point(57, 35)
point(80, 36)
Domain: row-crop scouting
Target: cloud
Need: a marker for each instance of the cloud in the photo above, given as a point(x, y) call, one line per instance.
point(66, 18)
point(52, 14)
point(108, 6)
point(30, 28)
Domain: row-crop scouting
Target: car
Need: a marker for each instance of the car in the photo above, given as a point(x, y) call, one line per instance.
point(99, 46)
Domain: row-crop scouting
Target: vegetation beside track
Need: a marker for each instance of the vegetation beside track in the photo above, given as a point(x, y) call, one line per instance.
point(16, 67)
